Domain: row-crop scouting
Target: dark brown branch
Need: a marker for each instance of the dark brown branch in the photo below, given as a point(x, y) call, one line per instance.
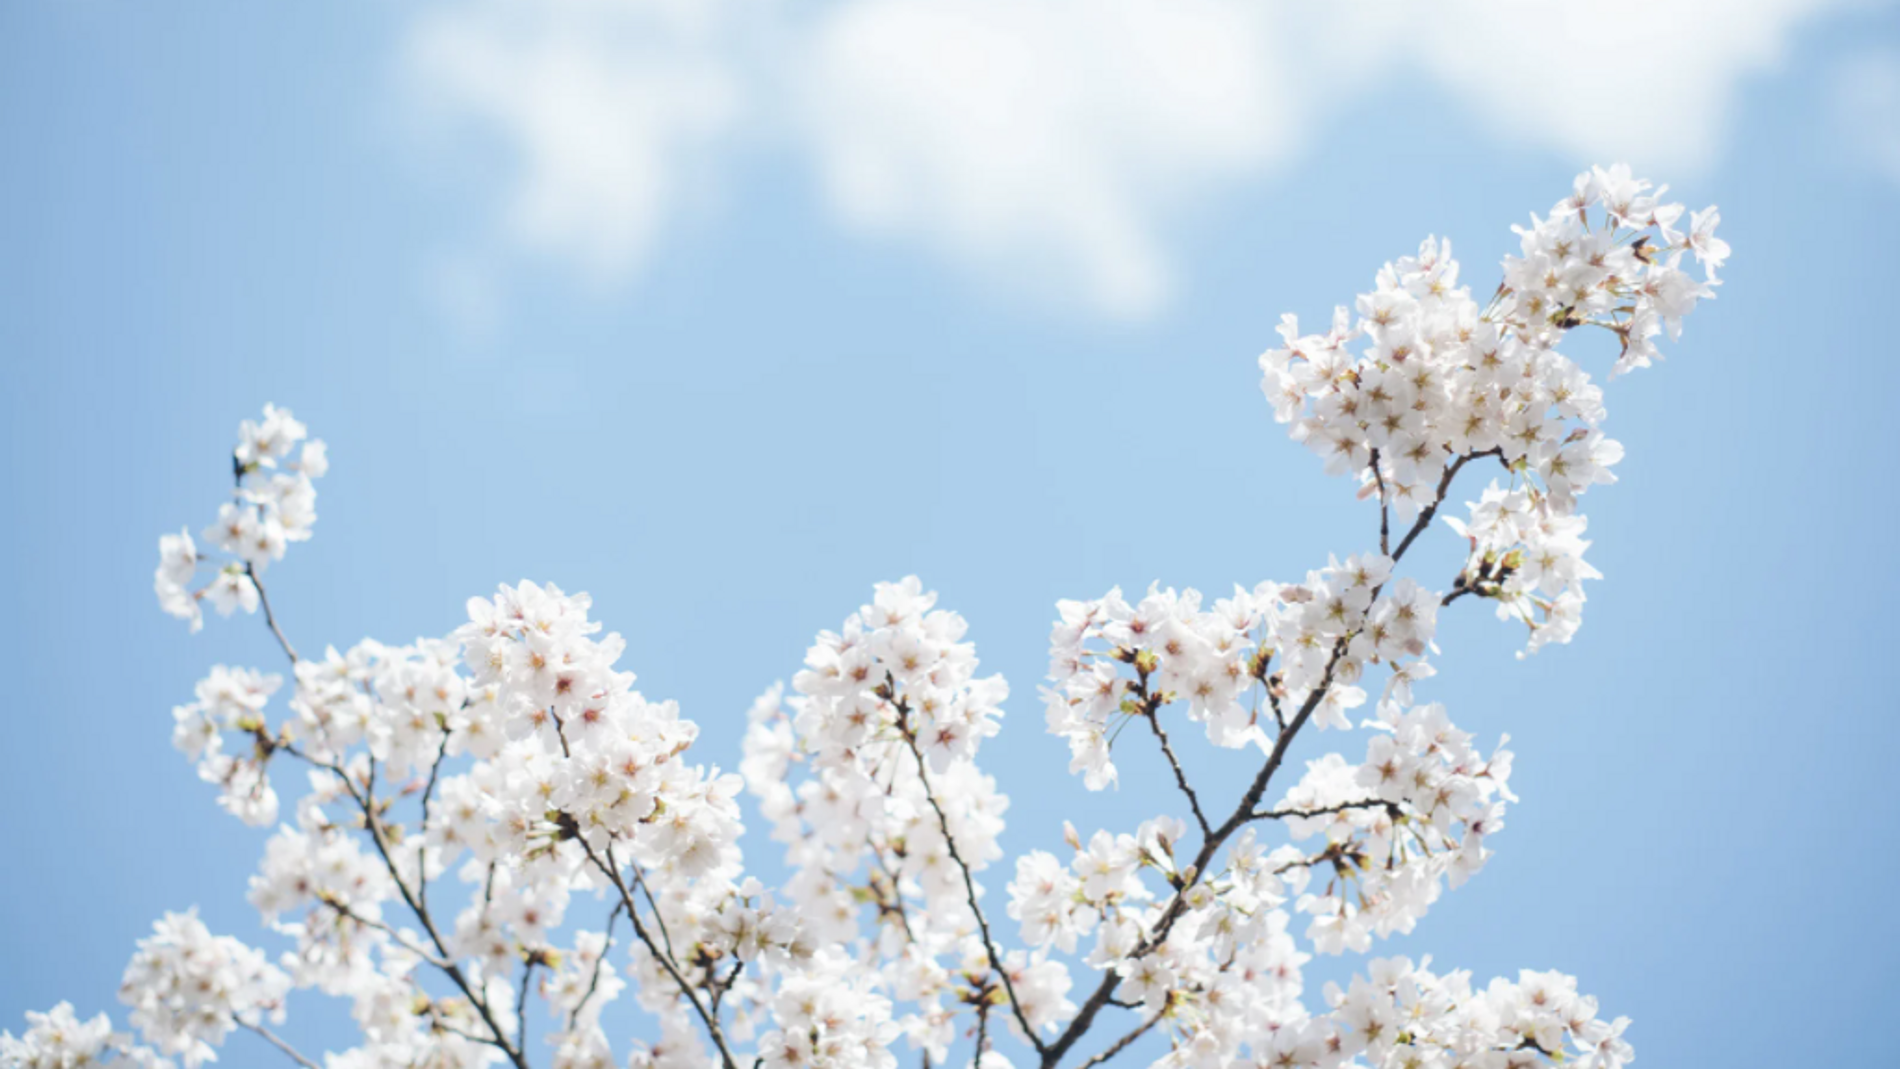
point(593, 982)
point(722, 985)
point(1177, 906)
point(1124, 1042)
point(366, 802)
point(441, 1024)
point(982, 1027)
point(422, 840)
point(665, 959)
point(521, 1002)
point(1337, 854)
point(1438, 498)
point(639, 880)
point(1244, 812)
point(1366, 803)
point(350, 914)
point(1180, 777)
point(270, 618)
point(1385, 512)
point(969, 881)
point(896, 904)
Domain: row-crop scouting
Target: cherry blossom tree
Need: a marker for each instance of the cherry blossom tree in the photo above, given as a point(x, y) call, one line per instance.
point(495, 824)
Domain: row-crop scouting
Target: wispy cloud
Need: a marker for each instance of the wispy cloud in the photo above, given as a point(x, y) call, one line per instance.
point(1048, 143)
point(1054, 136)
point(1653, 80)
point(609, 109)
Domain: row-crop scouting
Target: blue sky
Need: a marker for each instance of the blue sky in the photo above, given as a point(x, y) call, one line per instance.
point(753, 315)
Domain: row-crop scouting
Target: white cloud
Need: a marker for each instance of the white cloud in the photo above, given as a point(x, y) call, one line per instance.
point(1867, 108)
point(610, 108)
point(1649, 80)
point(1051, 133)
point(1051, 143)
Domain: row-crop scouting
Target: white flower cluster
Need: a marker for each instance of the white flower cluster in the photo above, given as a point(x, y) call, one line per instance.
point(1323, 631)
point(58, 1039)
point(231, 700)
point(321, 873)
point(583, 984)
point(403, 1027)
point(1400, 1015)
point(862, 778)
point(574, 775)
point(830, 1015)
point(1226, 969)
point(514, 757)
point(274, 504)
point(1415, 814)
point(587, 745)
point(1443, 381)
point(188, 988)
point(898, 642)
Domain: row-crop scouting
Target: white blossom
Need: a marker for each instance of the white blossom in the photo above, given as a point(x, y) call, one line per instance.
point(480, 820)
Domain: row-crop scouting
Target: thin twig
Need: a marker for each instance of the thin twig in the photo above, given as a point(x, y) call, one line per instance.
point(1385, 519)
point(593, 981)
point(1124, 1042)
point(1180, 777)
point(665, 959)
point(345, 911)
point(969, 881)
point(448, 966)
point(1177, 906)
point(640, 881)
point(1366, 803)
point(366, 802)
point(263, 599)
point(721, 985)
point(897, 895)
point(521, 1002)
point(422, 840)
point(441, 1024)
point(1444, 486)
point(274, 1041)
